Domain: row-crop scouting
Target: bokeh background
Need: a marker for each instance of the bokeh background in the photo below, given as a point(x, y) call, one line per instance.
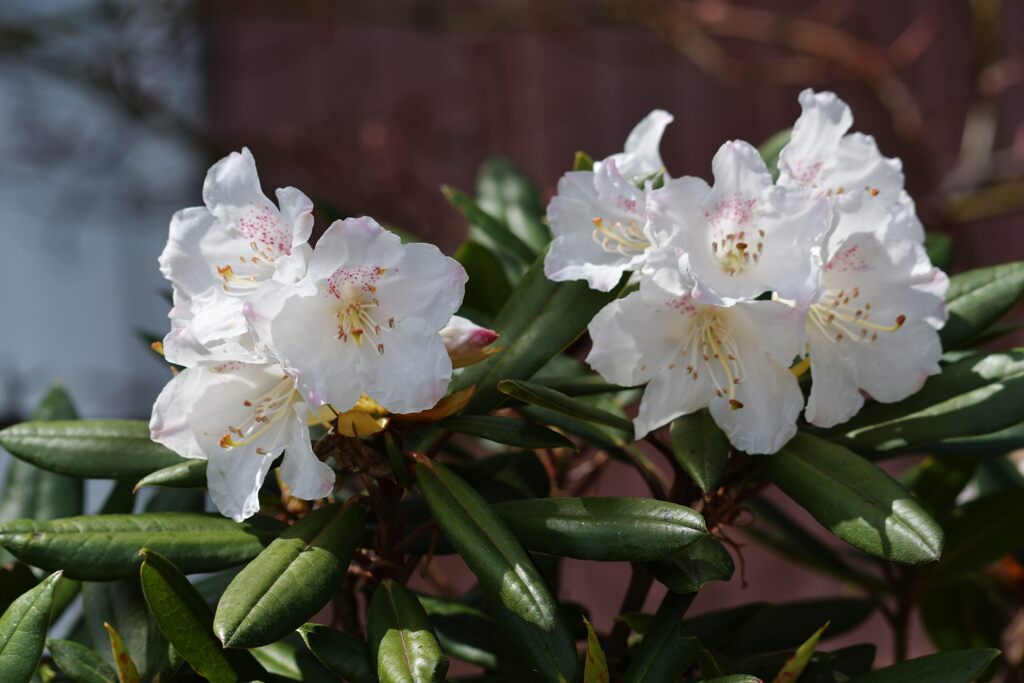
point(111, 110)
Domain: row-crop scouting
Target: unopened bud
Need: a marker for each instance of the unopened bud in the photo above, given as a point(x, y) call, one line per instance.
point(467, 343)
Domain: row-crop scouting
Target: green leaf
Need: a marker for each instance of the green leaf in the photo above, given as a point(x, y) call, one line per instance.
point(342, 654)
point(939, 246)
point(540, 319)
point(506, 573)
point(80, 664)
point(785, 626)
point(289, 659)
point(489, 287)
point(183, 475)
point(1002, 441)
point(545, 397)
point(980, 532)
point(936, 482)
point(465, 632)
point(187, 622)
point(34, 493)
point(604, 529)
point(946, 667)
point(503, 191)
point(507, 430)
point(855, 500)
point(488, 230)
point(666, 652)
point(127, 672)
point(978, 298)
point(401, 638)
point(291, 580)
point(122, 605)
point(976, 394)
point(689, 569)
point(23, 628)
point(735, 678)
point(964, 614)
point(700, 448)
point(105, 547)
point(795, 665)
point(585, 385)
point(90, 449)
point(595, 669)
point(771, 148)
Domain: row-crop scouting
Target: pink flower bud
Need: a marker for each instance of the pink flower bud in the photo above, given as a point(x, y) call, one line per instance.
point(467, 343)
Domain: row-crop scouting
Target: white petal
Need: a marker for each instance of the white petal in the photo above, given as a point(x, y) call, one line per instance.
point(169, 423)
point(641, 155)
point(811, 152)
point(208, 338)
point(232, 183)
point(304, 473)
point(413, 372)
point(860, 167)
point(775, 328)
point(671, 394)
point(183, 260)
point(772, 403)
point(739, 168)
point(234, 479)
point(354, 242)
point(297, 213)
point(835, 396)
point(424, 284)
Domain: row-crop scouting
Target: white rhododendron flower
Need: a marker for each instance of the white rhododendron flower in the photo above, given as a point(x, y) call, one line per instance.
point(366, 319)
point(466, 342)
point(744, 235)
point(848, 167)
point(220, 254)
point(599, 217)
point(874, 328)
point(240, 417)
point(734, 360)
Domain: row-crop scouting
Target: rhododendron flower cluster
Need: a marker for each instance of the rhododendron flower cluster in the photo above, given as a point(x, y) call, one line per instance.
point(272, 332)
point(741, 284)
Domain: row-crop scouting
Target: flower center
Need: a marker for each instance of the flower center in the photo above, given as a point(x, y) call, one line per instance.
point(841, 314)
point(261, 415)
point(356, 289)
point(709, 347)
point(622, 237)
point(268, 241)
point(735, 243)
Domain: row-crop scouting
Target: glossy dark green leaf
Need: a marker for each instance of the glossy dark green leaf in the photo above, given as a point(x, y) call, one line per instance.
point(505, 476)
point(855, 500)
point(786, 626)
point(717, 629)
point(936, 482)
point(401, 638)
point(23, 631)
point(34, 493)
point(539, 320)
point(506, 573)
point(187, 622)
point(666, 652)
point(291, 580)
point(106, 547)
point(976, 394)
point(488, 230)
point(939, 246)
point(701, 448)
point(545, 397)
point(963, 666)
point(980, 532)
point(79, 664)
point(978, 298)
point(182, 475)
point(490, 287)
point(507, 430)
point(122, 605)
point(91, 449)
point(584, 385)
point(342, 654)
point(687, 570)
point(465, 632)
point(771, 148)
point(502, 190)
point(1002, 441)
point(963, 614)
point(290, 660)
point(735, 678)
point(605, 529)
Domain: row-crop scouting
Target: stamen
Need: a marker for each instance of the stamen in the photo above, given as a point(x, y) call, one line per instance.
point(265, 412)
point(626, 238)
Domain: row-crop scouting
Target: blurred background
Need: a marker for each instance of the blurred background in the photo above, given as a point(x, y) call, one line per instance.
point(111, 111)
